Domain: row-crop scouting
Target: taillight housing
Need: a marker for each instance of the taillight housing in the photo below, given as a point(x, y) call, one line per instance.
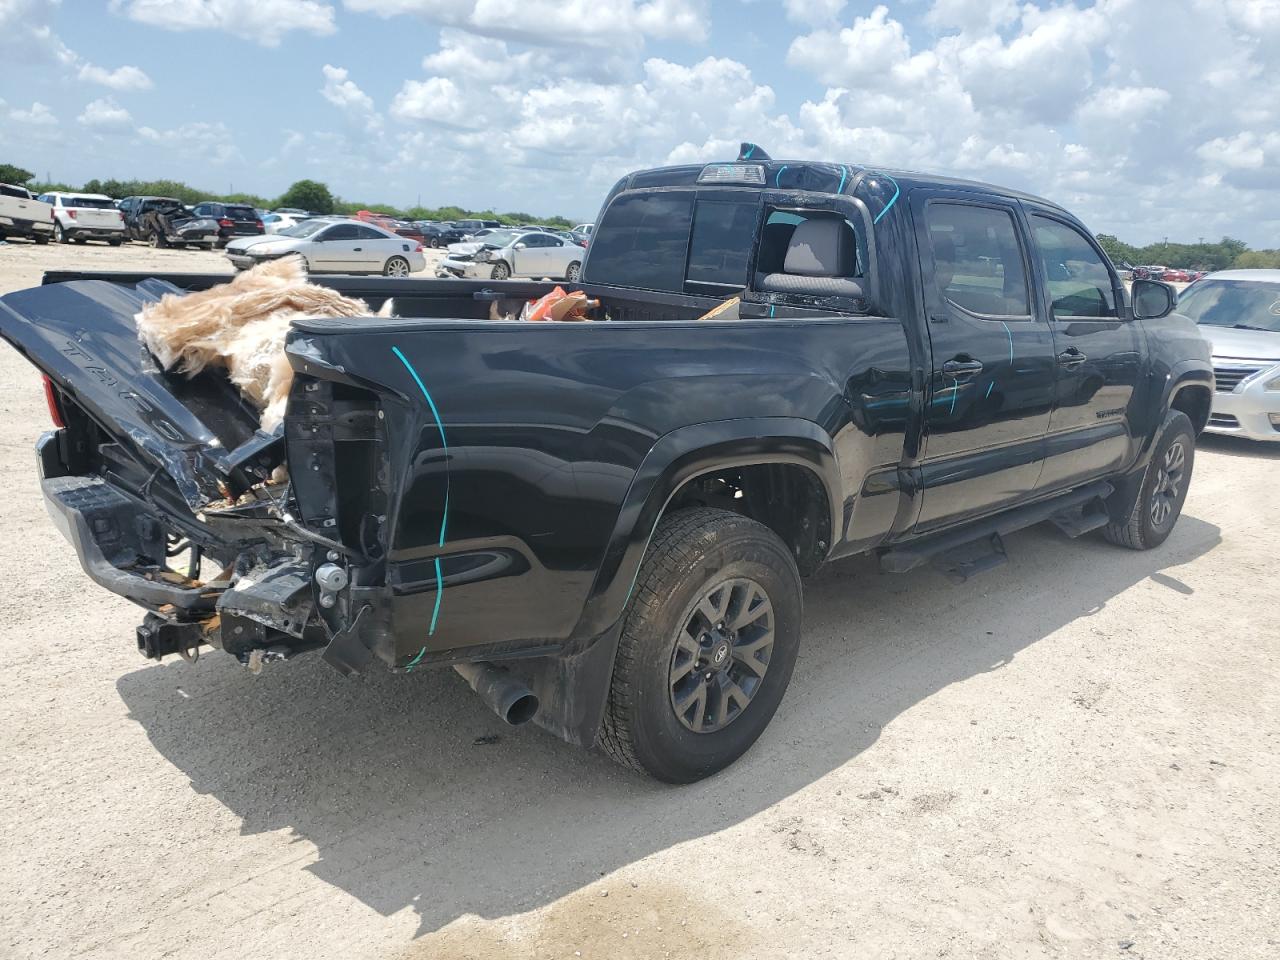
point(224, 222)
point(120, 214)
point(71, 214)
point(418, 249)
point(258, 224)
point(51, 398)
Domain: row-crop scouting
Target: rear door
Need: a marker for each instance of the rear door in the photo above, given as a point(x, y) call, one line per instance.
point(990, 391)
point(1098, 353)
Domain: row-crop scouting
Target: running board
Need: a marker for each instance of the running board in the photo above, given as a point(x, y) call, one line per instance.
point(977, 546)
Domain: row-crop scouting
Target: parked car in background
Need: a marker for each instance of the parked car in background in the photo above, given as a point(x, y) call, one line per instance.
point(234, 219)
point(1239, 314)
point(407, 229)
point(22, 215)
point(332, 245)
point(1175, 275)
point(469, 228)
point(438, 233)
point(275, 221)
point(513, 253)
point(85, 216)
point(585, 228)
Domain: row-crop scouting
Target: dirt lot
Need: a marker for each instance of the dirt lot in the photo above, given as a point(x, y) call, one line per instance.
point(1076, 755)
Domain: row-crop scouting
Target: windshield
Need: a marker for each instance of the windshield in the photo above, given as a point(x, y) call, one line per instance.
point(498, 238)
point(1233, 303)
point(92, 203)
point(304, 229)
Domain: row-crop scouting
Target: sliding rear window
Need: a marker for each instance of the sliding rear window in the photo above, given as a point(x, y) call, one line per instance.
point(642, 241)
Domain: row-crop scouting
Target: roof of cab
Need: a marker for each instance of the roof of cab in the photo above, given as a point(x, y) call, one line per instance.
point(687, 175)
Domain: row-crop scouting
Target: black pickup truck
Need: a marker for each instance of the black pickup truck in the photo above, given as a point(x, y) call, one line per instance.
point(604, 525)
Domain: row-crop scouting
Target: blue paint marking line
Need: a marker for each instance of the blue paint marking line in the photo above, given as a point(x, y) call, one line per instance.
point(1010, 335)
point(955, 392)
point(750, 150)
point(777, 180)
point(897, 191)
point(444, 516)
point(844, 175)
point(990, 386)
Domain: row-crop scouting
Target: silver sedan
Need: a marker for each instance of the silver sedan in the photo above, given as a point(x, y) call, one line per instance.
point(333, 246)
point(514, 253)
point(1239, 314)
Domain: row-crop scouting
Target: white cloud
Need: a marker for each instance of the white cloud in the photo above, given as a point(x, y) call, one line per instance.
point(210, 141)
point(262, 21)
point(813, 12)
point(343, 92)
point(38, 115)
point(1244, 151)
point(600, 23)
point(121, 78)
point(105, 114)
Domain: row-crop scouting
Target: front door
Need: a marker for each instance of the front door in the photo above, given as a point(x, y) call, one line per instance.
point(1099, 358)
point(989, 393)
point(334, 249)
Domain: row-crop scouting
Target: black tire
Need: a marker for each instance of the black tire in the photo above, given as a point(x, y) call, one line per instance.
point(115, 242)
point(41, 238)
point(59, 235)
point(435, 243)
point(500, 271)
point(396, 267)
point(573, 272)
point(157, 239)
point(693, 554)
point(80, 240)
point(1163, 490)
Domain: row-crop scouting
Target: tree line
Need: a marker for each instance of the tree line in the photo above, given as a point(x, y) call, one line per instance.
point(1227, 252)
point(304, 194)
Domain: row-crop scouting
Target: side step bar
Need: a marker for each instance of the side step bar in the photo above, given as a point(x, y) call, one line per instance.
point(1075, 513)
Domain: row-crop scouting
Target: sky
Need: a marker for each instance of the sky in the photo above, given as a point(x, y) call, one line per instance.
point(1147, 118)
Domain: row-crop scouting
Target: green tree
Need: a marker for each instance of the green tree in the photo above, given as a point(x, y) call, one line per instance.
point(15, 175)
point(308, 195)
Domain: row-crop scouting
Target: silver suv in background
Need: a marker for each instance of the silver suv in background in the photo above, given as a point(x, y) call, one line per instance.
point(1239, 314)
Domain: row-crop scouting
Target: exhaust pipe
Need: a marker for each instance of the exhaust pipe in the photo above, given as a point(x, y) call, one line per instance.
point(506, 696)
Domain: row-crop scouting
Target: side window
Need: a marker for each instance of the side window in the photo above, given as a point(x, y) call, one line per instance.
point(343, 231)
point(844, 252)
point(720, 246)
point(368, 233)
point(642, 241)
point(1079, 282)
point(978, 265)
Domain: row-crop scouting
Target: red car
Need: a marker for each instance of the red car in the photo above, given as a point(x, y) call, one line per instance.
point(1174, 275)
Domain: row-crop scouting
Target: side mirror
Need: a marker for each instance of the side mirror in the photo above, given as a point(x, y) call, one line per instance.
point(521, 246)
point(1153, 299)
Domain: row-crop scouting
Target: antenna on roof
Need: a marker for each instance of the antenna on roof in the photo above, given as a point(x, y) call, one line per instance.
point(749, 151)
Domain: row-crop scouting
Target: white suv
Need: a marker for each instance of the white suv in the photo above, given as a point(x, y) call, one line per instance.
point(85, 216)
point(21, 215)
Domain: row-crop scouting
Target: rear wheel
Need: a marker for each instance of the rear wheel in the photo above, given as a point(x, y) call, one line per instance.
point(81, 239)
point(42, 238)
point(435, 243)
point(115, 241)
point(500, 271)
point(396, 267)
point(708, 644)
point(572, 274)
point(1164, 488)
point(156, 239)
point(59, 235)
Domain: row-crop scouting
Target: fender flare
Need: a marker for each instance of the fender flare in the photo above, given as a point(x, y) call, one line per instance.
point(673, 460)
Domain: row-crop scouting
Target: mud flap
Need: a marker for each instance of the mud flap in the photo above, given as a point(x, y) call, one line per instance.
point(573, 689)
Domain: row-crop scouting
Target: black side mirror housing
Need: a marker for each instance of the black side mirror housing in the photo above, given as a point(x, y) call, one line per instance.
point(1153, 299)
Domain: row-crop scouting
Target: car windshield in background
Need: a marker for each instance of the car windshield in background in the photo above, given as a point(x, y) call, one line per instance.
point(304, 229)
point(92, 203)
point(1233, 303)
point(499, 238)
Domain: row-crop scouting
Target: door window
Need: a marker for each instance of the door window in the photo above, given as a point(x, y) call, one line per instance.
point(978, 264)
point(1079, 282)
point(343, 231)
point(368, 233)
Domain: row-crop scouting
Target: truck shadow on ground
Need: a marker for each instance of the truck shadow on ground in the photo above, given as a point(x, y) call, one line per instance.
point(390, 779)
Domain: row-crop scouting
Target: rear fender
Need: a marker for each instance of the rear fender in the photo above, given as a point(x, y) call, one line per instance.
point(678, 457)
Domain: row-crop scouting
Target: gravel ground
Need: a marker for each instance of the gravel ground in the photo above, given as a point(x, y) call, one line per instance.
point(1075, 755)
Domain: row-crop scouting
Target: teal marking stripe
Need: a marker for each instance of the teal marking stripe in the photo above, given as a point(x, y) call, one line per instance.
point(844, 175)
point(777, 180)
point(897, 191)
point(1009, 333)
point(444, 516)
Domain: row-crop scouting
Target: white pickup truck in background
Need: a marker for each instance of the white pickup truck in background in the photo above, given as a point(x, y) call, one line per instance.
point(21, 215)
point(85, 216)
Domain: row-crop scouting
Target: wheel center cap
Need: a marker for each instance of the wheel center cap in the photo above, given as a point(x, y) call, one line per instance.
point(719, 654)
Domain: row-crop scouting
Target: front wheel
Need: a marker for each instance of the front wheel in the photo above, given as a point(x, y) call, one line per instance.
point(1164, 488)
point(435, 243)
point(396, 267)
point(500, 271)
point(574, 271)
point(708, 644)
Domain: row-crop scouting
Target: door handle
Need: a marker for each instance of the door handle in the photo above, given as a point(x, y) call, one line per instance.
point(962, 366)
point(1071, 357)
